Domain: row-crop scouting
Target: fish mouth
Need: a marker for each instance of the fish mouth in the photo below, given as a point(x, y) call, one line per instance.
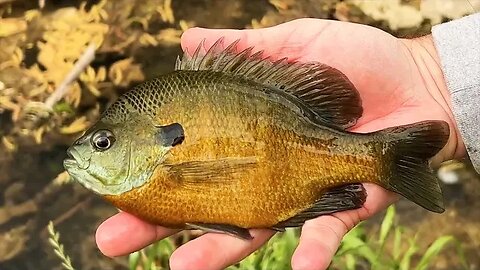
point(74, 160)
point(70, 160)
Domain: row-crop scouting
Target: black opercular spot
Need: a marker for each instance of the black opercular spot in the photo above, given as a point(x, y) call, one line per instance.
point(171, 135)
point(178, 140)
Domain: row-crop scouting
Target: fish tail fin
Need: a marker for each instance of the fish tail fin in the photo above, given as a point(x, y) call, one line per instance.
point(410, 149)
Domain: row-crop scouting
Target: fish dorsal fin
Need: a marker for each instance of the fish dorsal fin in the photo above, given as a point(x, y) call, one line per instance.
point(324, 89)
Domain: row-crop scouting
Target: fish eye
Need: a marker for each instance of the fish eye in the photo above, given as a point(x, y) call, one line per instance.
point(103, 140)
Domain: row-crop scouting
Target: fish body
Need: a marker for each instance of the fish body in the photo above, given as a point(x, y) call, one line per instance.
point(249, 155)
point(230, 141)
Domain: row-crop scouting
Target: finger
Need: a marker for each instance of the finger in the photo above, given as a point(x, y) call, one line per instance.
point(216, 251)
point(124, 233)
point(319, 241)
point(287, 39)
point(306, 39)
point(378, 199)
point(322, 236)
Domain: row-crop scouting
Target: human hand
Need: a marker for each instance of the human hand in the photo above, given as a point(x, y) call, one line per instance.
point(400, 82)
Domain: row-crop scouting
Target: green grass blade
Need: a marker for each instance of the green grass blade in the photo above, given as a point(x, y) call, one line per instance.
point(349, 243)
point(350, 262)
point(151, 255)
point(461, 254)
point(387, 224)
point(433, 251)
point(54, 240)
point(133, 260)
point(407, 257)
point(397, 240)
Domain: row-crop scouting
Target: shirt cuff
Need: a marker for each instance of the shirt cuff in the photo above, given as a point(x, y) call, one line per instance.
point(458, 45)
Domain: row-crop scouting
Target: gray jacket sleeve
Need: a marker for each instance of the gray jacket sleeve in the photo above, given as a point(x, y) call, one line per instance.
point(458, 45)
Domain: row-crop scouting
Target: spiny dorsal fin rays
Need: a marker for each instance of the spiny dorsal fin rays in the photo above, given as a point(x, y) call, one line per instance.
point(209, 57)
point(196, 55)
point(324, 89)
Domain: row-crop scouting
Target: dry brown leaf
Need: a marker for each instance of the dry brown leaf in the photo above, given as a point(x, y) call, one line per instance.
point(62, 178)
point(169, 35)
point(414, 3)
point(38, 134)
point(184, 25)
point(392, 11)
point(437, 10)
point(280, 4)
point(125, 71)
point(93, 90)
point(101, 74)
point(32, 14)
point(80, 124)
point(147, 40)
point(35, 91)
point(12, 26)
point(166, 11)
point(74, 95)
point(9, 144)
point(13, 242)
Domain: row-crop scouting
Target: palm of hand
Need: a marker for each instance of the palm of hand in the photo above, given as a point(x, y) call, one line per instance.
point(394, 91)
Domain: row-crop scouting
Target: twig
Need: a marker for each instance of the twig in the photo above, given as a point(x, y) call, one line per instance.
point(9, 212)
point(32, 204)
point(6, 1)
point(38, 113)
point(72, 211)
point(86, 58)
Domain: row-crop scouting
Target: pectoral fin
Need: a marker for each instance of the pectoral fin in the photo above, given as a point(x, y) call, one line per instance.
point(221, 228)
point(193, 173)
point(338, 199)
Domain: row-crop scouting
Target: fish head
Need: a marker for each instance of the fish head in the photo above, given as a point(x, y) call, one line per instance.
point(115, 157)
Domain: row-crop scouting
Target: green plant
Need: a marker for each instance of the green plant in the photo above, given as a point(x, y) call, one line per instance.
point(153, 257)
point(54, 240)
point(359, 252)
point(275, 255)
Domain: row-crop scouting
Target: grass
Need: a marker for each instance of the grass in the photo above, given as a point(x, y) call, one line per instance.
point(392, 250)
point(54, 240)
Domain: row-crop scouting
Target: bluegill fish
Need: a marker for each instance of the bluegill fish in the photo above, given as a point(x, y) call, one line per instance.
point(231, 141)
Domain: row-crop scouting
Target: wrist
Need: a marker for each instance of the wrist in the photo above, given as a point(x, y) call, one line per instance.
point(427, 61)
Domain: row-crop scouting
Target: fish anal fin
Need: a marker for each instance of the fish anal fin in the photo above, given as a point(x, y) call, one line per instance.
point(341, 198)
point(221, 228)
point(323, 89)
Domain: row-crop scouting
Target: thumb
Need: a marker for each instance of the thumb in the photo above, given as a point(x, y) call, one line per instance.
point(287, 39)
